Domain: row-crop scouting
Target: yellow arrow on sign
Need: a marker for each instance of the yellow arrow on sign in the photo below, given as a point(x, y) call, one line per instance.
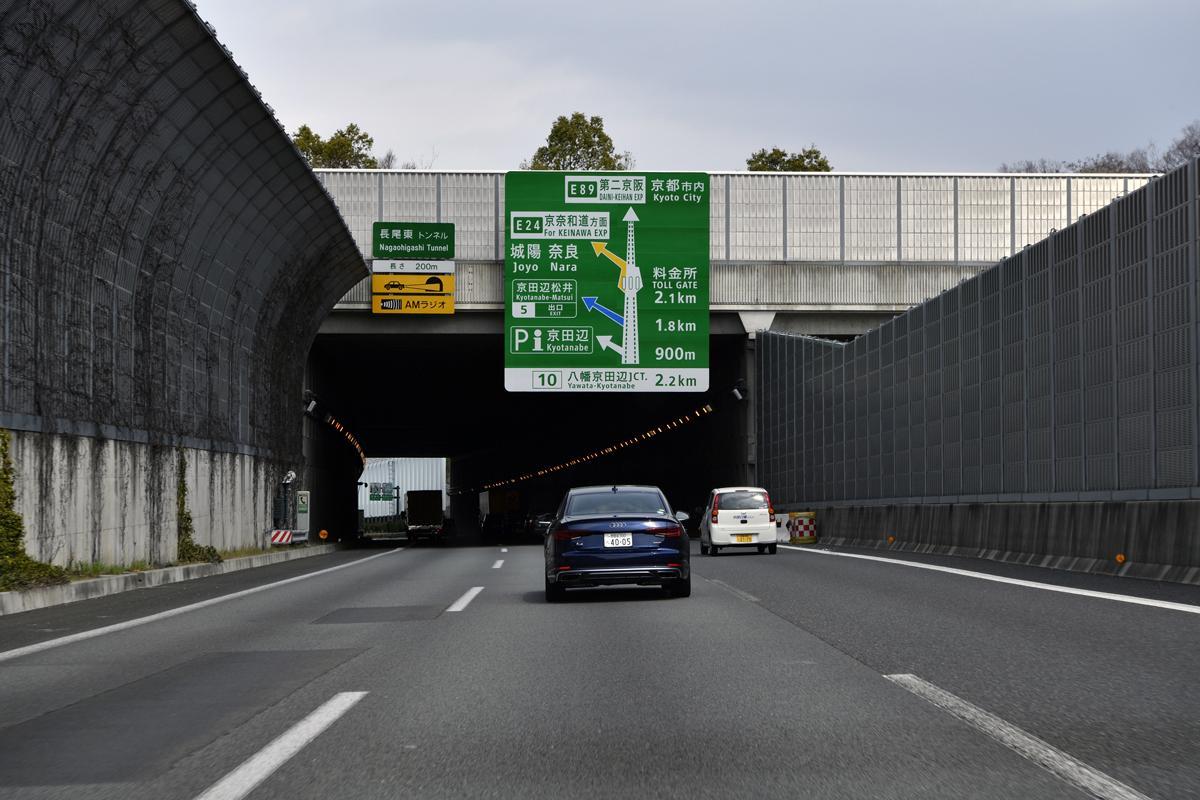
point(601, 249)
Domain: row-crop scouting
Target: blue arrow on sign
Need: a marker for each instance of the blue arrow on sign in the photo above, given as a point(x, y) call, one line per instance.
point(591, 305)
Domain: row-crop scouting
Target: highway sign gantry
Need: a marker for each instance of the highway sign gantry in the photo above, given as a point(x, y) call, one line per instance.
point(606, 282)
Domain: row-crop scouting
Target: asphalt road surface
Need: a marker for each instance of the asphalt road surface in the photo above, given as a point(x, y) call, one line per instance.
point(443, 673)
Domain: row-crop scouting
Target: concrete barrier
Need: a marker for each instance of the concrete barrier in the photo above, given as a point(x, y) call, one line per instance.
point(1155, 540)
point(30, 599)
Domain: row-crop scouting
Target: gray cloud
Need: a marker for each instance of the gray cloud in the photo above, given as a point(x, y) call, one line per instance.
point(877, 86)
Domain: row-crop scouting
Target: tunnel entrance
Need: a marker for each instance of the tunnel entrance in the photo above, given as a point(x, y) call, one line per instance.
point(420, 394)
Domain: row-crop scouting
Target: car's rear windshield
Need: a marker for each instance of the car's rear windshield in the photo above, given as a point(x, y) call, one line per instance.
point(631, 502)
point(741, 501)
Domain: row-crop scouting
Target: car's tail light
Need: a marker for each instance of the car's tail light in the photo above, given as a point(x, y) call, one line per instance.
point(671, 533)
point(770, 508)
point(566, 534)
point(716, 505)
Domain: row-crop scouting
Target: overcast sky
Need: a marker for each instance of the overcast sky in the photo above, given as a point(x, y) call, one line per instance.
point(878, 86)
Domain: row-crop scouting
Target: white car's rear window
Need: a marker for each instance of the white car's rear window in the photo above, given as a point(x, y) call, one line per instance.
point(741, 501)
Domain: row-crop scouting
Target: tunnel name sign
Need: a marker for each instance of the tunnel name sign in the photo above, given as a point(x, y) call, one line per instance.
point(412, 268)
point(606, 281)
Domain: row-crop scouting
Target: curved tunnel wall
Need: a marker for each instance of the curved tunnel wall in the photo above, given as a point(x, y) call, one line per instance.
point(166, 256)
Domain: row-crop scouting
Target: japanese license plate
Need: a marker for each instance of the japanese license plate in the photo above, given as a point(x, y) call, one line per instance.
point(742, 537)
point(618, 540)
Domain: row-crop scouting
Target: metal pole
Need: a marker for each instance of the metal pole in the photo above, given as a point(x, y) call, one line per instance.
point(785, 219)
point(842, 219)
point(496, 214)
point(956, 221)
point(727, 191)
point(1193, 257)
point(1012, 216)
point(1151, 211)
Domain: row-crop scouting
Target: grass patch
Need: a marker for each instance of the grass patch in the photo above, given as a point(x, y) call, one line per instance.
point(98, 568)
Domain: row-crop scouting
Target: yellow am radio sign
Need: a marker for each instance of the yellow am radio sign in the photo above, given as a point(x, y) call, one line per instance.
point(412, 294)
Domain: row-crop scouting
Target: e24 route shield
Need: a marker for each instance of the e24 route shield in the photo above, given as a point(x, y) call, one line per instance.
point(606, 281)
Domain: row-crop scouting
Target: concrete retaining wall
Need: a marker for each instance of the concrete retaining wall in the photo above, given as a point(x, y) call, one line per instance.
point(1157, 539)
point(88, 499)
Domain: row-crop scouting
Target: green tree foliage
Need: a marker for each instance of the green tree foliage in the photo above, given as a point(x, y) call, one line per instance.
point(778, 160)
point(17, 569)
point(578, 143)
point(348, 148)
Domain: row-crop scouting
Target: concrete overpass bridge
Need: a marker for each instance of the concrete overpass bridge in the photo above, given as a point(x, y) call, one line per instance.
point(832, 255)
point(825, 254)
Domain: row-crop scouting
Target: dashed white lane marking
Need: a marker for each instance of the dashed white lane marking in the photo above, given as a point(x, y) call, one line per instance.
point(466, 599)
point(983, 576)
point(499, 563)
point(503, 549)
point(1093, 781)
point(259, 767)
point(174, 612)
point(749, 598)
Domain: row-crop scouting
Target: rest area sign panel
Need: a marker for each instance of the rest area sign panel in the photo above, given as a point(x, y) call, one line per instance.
point(606, 280)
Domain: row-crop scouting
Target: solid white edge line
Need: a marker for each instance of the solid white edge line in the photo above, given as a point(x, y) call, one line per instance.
point(499, 563)
point(1050, 758)
point(466, 599)
point(174, 612)
point(983, 576)
point(262, 764)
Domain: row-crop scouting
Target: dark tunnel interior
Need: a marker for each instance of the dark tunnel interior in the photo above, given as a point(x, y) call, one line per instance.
point(443, 395)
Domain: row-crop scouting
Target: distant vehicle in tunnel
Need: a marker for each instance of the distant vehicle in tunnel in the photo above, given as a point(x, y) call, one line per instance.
point(613, 535)
point(425, 514)
point(738, 516)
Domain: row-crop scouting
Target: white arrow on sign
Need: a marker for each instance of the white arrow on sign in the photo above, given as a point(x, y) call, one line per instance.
point(607, 342)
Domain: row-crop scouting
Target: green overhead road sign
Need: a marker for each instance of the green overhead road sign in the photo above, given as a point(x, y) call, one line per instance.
point(606, 282)
point(413, 240)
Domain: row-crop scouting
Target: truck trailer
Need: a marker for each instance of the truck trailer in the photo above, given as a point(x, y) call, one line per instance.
point(425, 515)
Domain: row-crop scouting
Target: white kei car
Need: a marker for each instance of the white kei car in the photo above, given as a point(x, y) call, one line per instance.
point(738, 516)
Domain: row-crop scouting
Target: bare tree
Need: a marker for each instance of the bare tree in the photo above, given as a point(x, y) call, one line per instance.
point(1142, 159)
point(1029, 165)
point(1183, 149)
point(422, 163)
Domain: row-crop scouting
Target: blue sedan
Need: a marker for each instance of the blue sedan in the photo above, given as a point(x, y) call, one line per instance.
point(611, 535)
